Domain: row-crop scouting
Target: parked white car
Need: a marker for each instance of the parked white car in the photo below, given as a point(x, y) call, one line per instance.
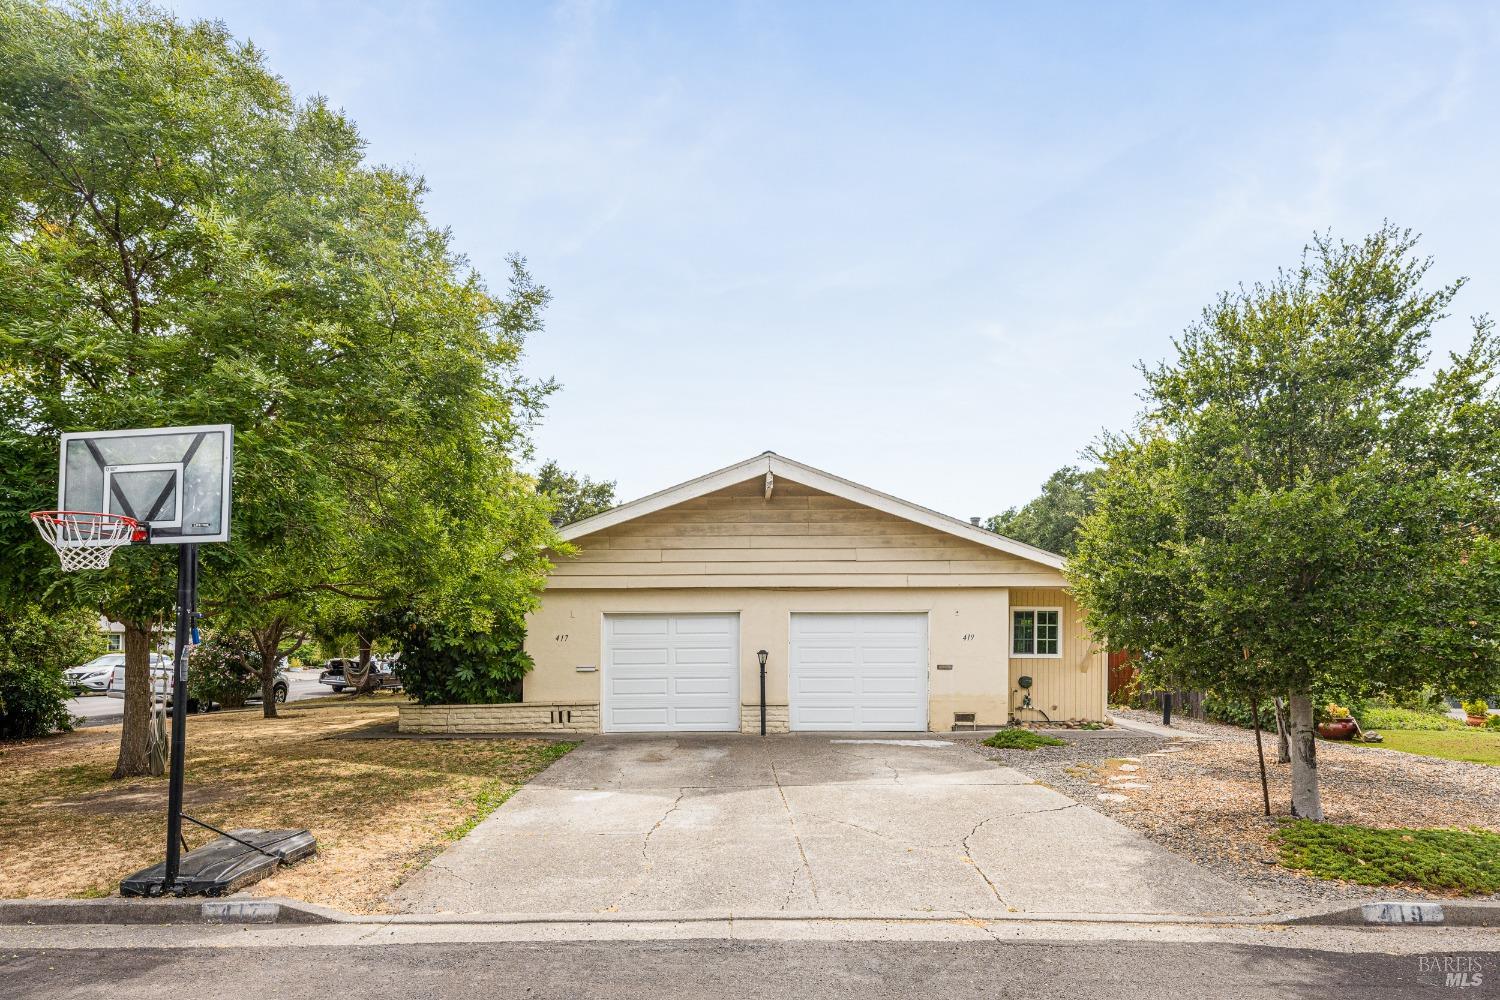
point(93, 675)
point(161, 671)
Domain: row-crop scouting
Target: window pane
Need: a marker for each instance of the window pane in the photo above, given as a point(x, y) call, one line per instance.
point(1023, 630)
point(1047, 632)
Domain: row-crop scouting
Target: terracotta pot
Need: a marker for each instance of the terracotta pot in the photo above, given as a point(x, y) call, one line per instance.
point(1475, 720)
point(1337, 729)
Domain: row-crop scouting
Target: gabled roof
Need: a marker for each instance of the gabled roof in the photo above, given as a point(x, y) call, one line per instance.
point(781, 467)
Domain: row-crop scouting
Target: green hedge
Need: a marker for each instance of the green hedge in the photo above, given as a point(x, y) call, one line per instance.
point(440, 665)
point(1380, 717)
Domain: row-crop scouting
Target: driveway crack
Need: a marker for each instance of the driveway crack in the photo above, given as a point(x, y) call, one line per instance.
point(646, 843)
point(969, 857)
point(812, 883)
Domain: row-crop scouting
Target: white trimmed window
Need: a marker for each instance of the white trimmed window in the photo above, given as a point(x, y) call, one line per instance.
point(1036, 632)
point(116, 642)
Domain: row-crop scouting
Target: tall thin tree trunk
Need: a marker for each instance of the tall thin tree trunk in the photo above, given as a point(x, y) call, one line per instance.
point(268, 644)
point(1283, 742)
point(1260, 752)
point(135, 730)
point(1306, 803)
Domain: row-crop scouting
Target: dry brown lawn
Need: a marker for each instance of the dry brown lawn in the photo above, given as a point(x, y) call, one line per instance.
point(380, 808)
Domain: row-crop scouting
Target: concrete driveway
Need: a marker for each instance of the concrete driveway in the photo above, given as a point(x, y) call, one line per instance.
point(804, 824)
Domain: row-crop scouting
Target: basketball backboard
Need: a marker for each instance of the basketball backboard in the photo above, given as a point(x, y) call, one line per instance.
point(174, 478)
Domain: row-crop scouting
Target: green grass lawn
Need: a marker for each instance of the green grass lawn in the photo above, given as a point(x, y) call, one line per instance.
point(1465, 743)
point(1022, 739)
point(1438, 860)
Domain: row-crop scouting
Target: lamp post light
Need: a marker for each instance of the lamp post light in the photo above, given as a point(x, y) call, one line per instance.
point(761, 656)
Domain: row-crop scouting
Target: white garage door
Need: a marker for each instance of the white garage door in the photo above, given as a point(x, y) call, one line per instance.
point(671, 672)
point(859, 672)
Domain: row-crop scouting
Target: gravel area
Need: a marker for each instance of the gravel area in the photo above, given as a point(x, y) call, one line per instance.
point(1202, 797)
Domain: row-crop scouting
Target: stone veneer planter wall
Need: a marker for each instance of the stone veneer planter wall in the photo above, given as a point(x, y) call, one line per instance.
point(520, 717)
point(544, 716)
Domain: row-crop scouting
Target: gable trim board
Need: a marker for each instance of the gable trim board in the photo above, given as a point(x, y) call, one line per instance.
point(816, 547)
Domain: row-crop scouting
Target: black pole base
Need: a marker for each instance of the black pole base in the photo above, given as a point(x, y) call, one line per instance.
point(223, 865)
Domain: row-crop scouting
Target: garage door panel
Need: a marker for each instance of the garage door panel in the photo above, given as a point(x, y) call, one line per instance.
point(897, 656)
point(626, 686)
point(897, 686)
point(706, 719)
point(827, 685)
point(639, 625)
point(700, 685)
point(638, 657)
point(693, 657)
point(858, 672)
point(671, 672)
point(708, 625)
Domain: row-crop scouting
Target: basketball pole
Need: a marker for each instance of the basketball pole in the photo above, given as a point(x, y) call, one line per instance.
point(187, 599)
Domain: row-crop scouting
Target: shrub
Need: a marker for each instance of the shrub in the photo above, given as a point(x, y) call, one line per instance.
point(35, 647)
point(225, 670)
point(1493, 722)
point(1022, 739)
point(1402, 718)
point(442, 665)
point(1236, 711)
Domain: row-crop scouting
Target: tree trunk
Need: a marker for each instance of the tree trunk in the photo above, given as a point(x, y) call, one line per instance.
point(1306, 803)
point(1283, 726)
point(366, 675)
point(135, 730)
point(268, 644)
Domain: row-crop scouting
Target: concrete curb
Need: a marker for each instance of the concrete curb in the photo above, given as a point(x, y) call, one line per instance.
point(230, 910)
point(1408, 913)
point(288, 912)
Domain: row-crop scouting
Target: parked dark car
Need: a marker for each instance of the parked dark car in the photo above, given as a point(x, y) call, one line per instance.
point(382, 676)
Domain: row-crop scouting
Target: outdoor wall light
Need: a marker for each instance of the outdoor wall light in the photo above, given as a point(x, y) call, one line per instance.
point(761, 656)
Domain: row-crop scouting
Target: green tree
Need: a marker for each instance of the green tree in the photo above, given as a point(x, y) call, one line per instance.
point(576, 496)
point(1300, 510)
point(36, 646)
point(185, 243)
point(1050, 521)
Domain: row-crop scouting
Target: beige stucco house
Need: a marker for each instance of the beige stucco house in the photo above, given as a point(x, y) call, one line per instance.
point(875, 614)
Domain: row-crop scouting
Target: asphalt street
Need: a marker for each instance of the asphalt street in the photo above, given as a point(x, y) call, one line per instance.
point(101, 710)
point(869, 970)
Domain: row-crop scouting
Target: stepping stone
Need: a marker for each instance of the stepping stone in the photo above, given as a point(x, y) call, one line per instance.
point(1112, 797)
point(1130, 767)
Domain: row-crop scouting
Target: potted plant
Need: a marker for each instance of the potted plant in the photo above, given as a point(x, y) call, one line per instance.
point(1337, 723)
point(1477, 710)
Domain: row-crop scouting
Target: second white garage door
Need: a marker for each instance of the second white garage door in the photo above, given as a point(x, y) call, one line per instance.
point(671, 673)
point(859, 672)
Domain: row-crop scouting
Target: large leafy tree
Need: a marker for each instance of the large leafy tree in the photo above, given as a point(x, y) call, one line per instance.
point(576, 496)
point(185, 243)
point(1050, 520)
point(1305, 508)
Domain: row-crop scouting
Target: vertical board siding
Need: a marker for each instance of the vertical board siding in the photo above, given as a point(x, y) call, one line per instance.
point(1072, 687)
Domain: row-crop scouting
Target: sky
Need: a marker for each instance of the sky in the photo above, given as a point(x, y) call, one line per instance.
point(920, 246)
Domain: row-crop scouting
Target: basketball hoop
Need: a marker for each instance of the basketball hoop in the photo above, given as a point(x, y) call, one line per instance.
point(86, 539)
